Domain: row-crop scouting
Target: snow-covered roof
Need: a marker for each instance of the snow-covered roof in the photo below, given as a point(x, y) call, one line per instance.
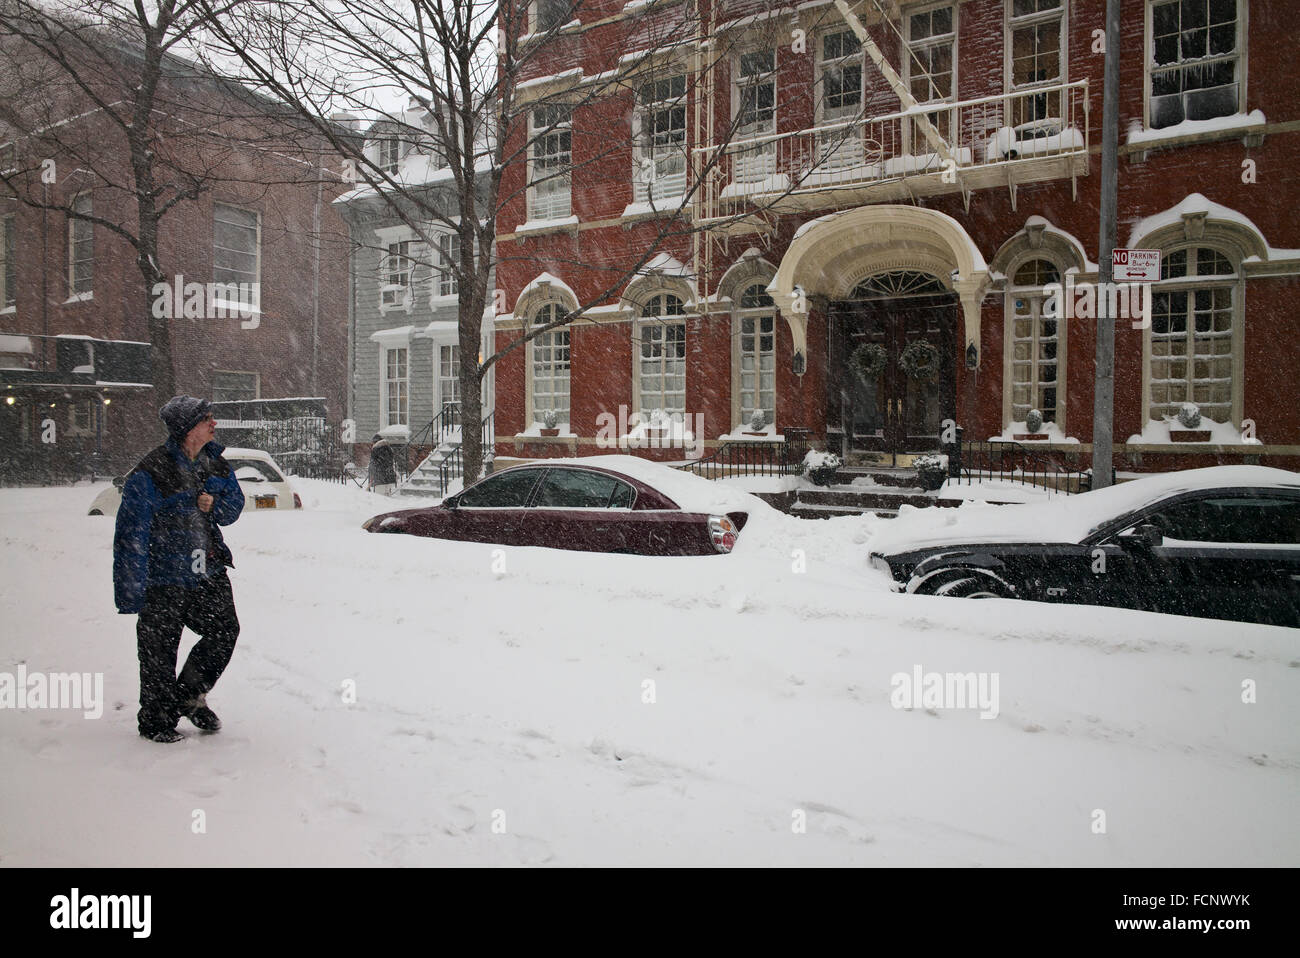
point(416, 170)
point(1066, 520)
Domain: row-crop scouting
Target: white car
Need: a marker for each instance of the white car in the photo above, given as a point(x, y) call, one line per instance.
point(262, 481)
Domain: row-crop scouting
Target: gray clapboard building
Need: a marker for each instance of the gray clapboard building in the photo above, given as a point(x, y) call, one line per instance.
point(404, 354)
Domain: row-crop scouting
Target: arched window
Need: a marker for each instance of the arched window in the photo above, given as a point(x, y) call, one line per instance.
point(550, 366)
point(1193, 327)
point(1034, 345)
point(662, 363)
point(756, 353)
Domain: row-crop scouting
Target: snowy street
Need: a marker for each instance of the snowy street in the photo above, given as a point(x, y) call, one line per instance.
point(404, 701)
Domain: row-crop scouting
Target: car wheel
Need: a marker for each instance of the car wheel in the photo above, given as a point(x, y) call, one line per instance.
point(966, 584)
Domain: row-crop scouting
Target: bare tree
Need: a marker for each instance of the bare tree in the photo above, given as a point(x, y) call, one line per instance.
point(475, 68)
point(99, 89)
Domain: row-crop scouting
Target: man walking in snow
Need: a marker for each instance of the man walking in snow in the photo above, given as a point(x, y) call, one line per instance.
point(169, 566)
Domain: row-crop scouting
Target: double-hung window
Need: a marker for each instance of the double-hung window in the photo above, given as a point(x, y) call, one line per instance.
point(756, 100)
point(663, 356)
point(449, 375)
point(661, 139)
point(1196, 67)
point(549, 14)
point(81, 250)
point(550, 162)
point(757, 354)
point(839, 72)
point(390, 154)
point(1035, 58)
point(395, 270)
point(930, 65)
point(1192, 334)
point(396, 386)
point(1033, 343)
point(550, 367)
point(445, 283)
point(236, 257)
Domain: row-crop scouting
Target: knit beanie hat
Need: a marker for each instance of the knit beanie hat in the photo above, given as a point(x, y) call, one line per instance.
point(183, 413)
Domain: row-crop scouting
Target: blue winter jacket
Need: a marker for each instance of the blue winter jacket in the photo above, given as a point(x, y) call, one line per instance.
point(162, 538)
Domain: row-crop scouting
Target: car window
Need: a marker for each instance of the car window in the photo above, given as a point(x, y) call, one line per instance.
point(254, 470)
point(1256, 519)
point(508, 490)
point(582, 489)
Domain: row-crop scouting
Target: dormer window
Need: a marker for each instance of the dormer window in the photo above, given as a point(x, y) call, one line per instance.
point(390, 154)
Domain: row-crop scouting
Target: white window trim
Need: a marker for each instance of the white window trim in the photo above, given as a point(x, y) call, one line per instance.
point(382, 147)
point(738, 314)
point(385, 346)
point(819, 107)
point(257, 380)
point(642, 191)
point(1010, 22)
point(530, 411)
point(642, 322)
point(533, 214)
point(389, 236)
point(767, 150)
point(440, 380)
point(1238, 322)
point(907, 46)
point(1008, 340)
point(436, 296)
point(237, 308)
point(1148, 59)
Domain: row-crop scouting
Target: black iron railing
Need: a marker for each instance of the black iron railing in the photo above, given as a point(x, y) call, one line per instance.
point(1011, 461)
point(759, 458)
point(453, 467)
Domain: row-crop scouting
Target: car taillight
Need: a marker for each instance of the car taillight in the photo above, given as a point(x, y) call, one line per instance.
point(297, 503)
point(722, 532)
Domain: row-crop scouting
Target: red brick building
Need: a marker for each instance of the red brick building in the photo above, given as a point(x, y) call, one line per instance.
point(74, 316)
point(846, 240)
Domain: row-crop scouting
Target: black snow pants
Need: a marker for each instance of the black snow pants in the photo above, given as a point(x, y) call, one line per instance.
point(207, 609)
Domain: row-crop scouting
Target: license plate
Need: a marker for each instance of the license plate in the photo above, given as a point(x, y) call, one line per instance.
point(266, 502)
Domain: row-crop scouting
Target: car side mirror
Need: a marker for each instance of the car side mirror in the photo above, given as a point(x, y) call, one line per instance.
point(1141, 538)
point(119, 481)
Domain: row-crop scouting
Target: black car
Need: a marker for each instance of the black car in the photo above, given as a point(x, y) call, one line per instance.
point(1222, 543)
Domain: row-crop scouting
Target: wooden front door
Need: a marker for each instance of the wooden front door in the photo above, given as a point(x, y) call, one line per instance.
point(892, 411)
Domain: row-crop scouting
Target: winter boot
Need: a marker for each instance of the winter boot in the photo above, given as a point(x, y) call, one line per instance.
point(197, 711)
point(165, 736)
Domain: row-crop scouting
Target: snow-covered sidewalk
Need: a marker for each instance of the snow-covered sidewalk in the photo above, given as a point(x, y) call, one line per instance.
point(528, 706)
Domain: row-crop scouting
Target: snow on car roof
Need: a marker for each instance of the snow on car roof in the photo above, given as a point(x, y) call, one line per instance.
point(1068, 519)
point(689, 491)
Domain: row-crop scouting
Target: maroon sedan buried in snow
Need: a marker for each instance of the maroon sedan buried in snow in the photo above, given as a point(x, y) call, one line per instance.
point(576, 504)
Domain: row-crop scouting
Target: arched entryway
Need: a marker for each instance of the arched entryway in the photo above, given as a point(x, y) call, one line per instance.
point(896, 276)
point(891, 363)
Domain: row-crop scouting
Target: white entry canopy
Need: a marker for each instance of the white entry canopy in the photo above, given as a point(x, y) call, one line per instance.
point(831, 255)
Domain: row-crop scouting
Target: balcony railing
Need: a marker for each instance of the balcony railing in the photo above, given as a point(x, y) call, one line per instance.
point(985, 133)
